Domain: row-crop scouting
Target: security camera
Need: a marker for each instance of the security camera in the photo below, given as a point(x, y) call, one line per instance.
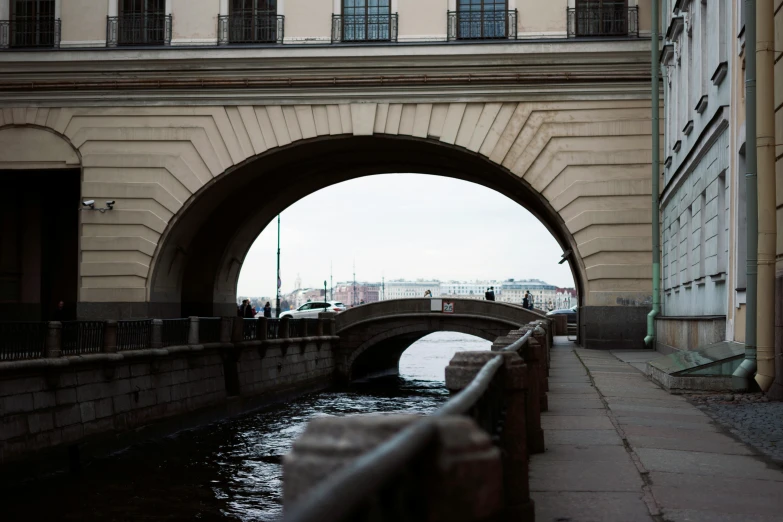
point(88, 203)
point(110, 204)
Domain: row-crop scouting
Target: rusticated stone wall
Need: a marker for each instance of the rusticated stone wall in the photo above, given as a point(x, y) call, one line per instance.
point(89, 404)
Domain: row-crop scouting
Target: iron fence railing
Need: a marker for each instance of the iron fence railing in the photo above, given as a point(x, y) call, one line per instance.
point(22, 340)
point(295, 327)
point(175, 332)
point(209, 329)
point(250, 28)
point(30, 32)
point(81, 337)
point(364, 28)
point(311, 326)
point(273, 328)
point(134, 335)
point(603, 20)
point(138, 29)
point(370, 487)
point(482, 25)
point(249, 329)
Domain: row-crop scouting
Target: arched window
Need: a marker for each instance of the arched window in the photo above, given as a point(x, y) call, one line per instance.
point(365, 20)
point(141, 22)
point(603, 18)
point(252, 21)
point(33, 24)
point(482, 20)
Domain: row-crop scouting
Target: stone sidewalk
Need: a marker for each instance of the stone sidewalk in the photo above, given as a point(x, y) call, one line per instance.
point(619, 448)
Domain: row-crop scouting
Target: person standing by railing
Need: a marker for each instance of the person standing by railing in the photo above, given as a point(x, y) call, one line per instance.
point(268, 310)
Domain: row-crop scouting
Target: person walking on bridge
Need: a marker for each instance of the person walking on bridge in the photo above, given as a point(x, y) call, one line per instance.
point(490, 295)
point(526, 300)
point(427, 293)
point(268, 310)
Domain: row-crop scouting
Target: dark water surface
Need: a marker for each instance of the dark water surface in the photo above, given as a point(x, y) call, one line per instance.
point(230, 471)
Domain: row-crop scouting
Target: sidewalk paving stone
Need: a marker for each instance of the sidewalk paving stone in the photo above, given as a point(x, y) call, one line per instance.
point(589, 507)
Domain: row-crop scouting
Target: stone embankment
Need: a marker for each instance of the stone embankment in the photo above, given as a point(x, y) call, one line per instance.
point(83, 393)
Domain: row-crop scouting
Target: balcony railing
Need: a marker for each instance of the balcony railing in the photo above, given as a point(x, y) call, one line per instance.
point(603, 21)
point(364, 28)
point(482, 25)
point(143, 29)
point(22, 32)
point(250, 28)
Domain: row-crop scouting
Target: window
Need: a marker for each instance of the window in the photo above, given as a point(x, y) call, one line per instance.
point(603, 18)
point(32, 24)
point(251, 21)
point(482, 20)
point(140, 22)
point(365, 21)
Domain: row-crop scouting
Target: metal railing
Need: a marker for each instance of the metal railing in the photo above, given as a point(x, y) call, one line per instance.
point(134, 335)
point(379, 485)
point(22, 340)
point(249, 329)
point(482, 25)
point(209, 329)
point(81, 337)
point(138, 29)
point(175, 332)
point(30, 32)
point(250, 28)
point(311, 326)
point(600, 20)
point(273, 328)
point(364, 28)
point(295, 328)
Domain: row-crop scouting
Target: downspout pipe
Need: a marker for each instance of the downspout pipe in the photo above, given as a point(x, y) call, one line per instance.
point(767, 227)
point(649, 341)
point(743, 376)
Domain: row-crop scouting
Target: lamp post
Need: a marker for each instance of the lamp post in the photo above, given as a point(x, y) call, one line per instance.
point(326, 297)
point(277, 307)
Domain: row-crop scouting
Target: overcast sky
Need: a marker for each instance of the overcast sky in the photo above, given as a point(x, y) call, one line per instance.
point(403, 226)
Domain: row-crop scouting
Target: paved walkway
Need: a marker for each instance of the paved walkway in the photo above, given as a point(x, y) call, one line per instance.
point(619, 448)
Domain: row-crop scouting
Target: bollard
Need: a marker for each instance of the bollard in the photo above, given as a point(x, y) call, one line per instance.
point(457, 477)
point(462, 369)
point(540, 336)
point(283, 333)
point(193, 331)
point(535, 435)
point(110, 336)
point(156, 335)
point(54, 337)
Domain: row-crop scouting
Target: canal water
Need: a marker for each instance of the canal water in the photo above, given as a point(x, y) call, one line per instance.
point(229, 471)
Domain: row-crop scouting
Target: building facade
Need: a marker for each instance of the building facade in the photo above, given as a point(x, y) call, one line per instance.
point(352, 294)
point(201, 120)
point(401, 289)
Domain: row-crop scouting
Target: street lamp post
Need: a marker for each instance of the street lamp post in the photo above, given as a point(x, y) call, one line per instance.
point(326, 297)
point(277, 307)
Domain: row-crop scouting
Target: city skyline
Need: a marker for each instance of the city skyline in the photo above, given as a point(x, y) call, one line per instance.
point(414, 233)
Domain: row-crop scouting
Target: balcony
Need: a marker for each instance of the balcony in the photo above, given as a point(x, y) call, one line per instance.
point(250, 28)
point(364, 28)
point(482, 25)
point(138, 29)
point(603, 21)
point(29, 32)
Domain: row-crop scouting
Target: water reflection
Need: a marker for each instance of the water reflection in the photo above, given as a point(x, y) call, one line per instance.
point(230, 470)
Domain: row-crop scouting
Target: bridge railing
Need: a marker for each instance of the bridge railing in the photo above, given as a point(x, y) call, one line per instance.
point(28, 340)
point(466, 462)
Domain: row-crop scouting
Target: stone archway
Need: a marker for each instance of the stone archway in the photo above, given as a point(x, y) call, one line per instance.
point(184, 176)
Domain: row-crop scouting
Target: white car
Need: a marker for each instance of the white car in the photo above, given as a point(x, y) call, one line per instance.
point(312, 309)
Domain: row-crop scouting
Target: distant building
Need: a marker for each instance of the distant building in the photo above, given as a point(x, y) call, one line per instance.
point(542, 293)
point(350, 294)
point(401, 289)
point(468, 290)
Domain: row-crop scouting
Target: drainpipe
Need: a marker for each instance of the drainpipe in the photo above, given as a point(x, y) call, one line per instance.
point(743, 375)
point(767, 233)
point(649, 341)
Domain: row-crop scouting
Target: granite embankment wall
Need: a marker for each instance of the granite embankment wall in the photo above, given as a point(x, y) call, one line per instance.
point(61, 409)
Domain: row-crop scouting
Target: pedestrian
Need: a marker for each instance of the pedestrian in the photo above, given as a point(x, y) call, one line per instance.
point(59, 312)
point(486, 295)
point(526, 300)
point(427, 293)
point(250, 312)
point(491, 294)
point(268, 309)
point(241, 308)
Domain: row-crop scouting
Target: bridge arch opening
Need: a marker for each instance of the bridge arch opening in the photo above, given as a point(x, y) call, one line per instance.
point(197, 263)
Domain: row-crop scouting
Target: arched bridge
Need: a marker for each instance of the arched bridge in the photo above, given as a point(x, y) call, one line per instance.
point(374, 336)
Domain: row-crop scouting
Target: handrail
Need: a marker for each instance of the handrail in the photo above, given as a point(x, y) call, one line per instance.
point(336, 498)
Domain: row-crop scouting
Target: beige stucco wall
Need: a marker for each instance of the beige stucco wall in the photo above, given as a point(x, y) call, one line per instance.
point(308, 21)
point(194, 21)
point(536, 18)
point(83, 22)
point(421, 19)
